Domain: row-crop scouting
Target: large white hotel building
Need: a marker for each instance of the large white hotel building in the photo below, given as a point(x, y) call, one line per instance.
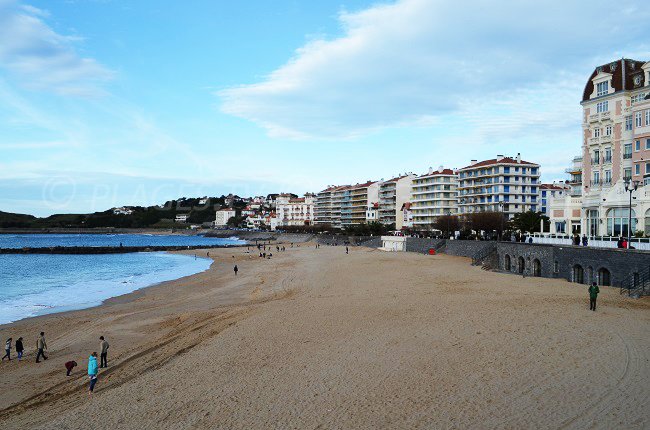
point(432, 195)
point(616, 147)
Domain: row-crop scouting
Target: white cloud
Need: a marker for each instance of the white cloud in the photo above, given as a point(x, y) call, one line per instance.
point(42, 59)
point(414, 61)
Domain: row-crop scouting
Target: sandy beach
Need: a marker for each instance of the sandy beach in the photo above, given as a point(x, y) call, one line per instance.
point(315, 338)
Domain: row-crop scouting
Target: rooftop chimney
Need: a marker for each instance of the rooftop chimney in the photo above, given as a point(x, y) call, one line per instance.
point(518, 157)
point(440, 168)
point(430, 170)
point(473, 161)
point(499, 157)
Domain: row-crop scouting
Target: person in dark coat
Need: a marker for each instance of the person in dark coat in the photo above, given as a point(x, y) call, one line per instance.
point(19, 348)
point(236, 269)
point(593, 295)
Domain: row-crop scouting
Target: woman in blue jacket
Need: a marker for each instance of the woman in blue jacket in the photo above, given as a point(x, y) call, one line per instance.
point(92, 370)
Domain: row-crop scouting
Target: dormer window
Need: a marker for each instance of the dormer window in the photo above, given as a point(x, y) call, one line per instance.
point(602, 89)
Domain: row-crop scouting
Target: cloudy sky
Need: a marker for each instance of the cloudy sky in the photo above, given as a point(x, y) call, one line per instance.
point(105, 103)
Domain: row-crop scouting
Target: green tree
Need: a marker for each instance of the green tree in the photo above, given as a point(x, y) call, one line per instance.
point(529, 222)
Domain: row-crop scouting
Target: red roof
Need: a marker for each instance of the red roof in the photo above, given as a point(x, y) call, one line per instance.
point(621, 79)
point(504, 160)
point(396, 178)
point(438, 172)
point(552, 187)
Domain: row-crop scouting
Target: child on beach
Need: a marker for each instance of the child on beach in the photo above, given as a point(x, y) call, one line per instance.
point(19, 348)
point(69, 366)
point(7, 350)
point(92, 371)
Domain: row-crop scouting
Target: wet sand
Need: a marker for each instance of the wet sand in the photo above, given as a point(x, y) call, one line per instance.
point(315, 338)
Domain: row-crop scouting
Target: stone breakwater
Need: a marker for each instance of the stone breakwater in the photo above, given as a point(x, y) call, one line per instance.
point(107, 249)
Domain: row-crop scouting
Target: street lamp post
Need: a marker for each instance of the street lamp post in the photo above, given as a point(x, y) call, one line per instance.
point(630, 187)
point(501, 211)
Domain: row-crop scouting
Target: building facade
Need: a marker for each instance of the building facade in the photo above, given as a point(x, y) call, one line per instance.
point(616, 147)
point(354, 202)
point(393, 193)
point(503, 184)
point(547, 192)
point(295, 211)
point(565, 211)
point(222, 216)
point(433, 194)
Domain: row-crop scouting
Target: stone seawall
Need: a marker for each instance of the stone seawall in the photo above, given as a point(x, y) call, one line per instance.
point(466, 248)
point(573, 263)
point(423, 245)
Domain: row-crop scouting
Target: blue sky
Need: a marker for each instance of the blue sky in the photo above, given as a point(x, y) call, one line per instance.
point(105, 103)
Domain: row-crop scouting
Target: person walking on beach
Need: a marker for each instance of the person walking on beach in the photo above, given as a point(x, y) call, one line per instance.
point(92, 371)
point(593, 295)
point(347, 251)
point(7, 350)
point(103, 347)
point(236, 269)
point(69, 366)
point(41, 346)
point(19, 348)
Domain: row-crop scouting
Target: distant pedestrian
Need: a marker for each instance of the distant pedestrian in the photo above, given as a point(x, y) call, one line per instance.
point(347, 251)
point(19, 348)
point(585, 240)
point(593, 295)
point(625, 244)
point(576, 240)
point(7, 350)
point(619, 243)
point(41, 346)
point(69, 365)
point(103, 347)
point(236, 269)
point(530, 239)
point(92, 371)
point(208, 253)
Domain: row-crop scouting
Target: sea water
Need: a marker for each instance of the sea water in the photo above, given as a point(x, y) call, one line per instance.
point(67, 240)
point(37, 284)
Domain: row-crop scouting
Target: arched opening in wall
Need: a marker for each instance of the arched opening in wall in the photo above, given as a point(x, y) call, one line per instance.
point(537, 268)
point(578, 274)
point(604, 277)
point(507, 263)
point(521, 264)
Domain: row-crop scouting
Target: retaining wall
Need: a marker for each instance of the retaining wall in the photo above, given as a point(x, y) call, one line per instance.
point(559, 261)
point(466, 248)
point(422, 245)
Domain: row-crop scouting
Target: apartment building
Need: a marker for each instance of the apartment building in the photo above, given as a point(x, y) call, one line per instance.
point(393, 193)
point(502, 184)
point(548, 192)
point(355, 200)
point(324, 209)
point(295, 211)
point(433, 194)
point(616, 147)
point(565, 210)
point(222, 216)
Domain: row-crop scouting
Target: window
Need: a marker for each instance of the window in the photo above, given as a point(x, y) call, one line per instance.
point(506, 169)
point(603, 107)
point(637, 98)
point(596, 132)
point(596, 157)
point(637, 145)
point(627, 150)
point(637, 119)
point(608, 130)
point(647, 167)
point(627, 173)
point(608, 176)
point(647, 144)
point(608, 155)
point(637, 169)
point(596, 178)
point(602, 89)
point(647, 117)
point(617, 220)
point(628, 122)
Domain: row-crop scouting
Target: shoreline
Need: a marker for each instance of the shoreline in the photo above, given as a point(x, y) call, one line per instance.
point(108, 300)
